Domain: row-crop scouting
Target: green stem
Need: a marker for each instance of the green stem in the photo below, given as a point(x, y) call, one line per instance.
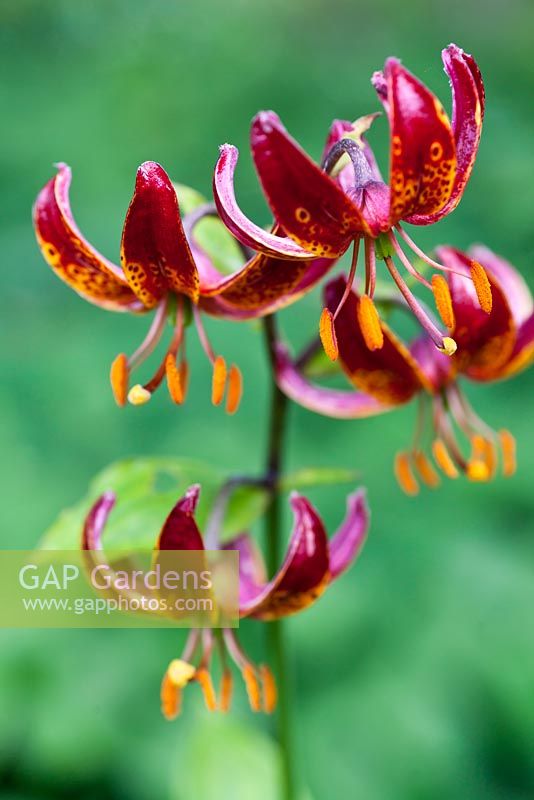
point(275, 630)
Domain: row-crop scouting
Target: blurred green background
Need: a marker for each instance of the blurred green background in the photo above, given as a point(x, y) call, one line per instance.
point(414, 676)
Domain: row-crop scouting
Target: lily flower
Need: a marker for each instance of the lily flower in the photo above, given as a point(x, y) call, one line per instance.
point(166, 270)
point(494, 347)
point(311, 563)
point(322, 210)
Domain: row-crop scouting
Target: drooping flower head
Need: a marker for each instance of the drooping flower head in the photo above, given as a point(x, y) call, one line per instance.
point(311, 563)
point(164, 268)
point(324, 209)
point(493, 346)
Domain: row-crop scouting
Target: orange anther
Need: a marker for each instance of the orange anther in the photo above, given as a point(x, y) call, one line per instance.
point(227, 683)
point(253, 687)
point(477, 471)
point(443, 459)
point(509, 463)
point(442, 297)
point(482, 286)
point(218, 383)
point(426, 471)
point(484, 450)
point(174, 379)
point(328, 334)
point(119, 375)
point(235, 389)
point(370, 323)
point(204, 678)
point(404, 474)
point(171, 697)
point(269, 691)
point(184, 377)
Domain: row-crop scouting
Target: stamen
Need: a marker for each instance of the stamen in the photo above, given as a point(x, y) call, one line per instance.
point(269, 691)
point(252, 687)
point(509, 463)
point(443, 299)
point(204, 679)
point(370, 267)
point(174, 379)
point(328, 334)
point(423, 256)
point(235, 389)
point(138, 395)
point(369, 322)
point(444, 343)
point(350, 278)
point(484, 450)
point(184, 377)
point(171, 698)
point(443, 458)
point(426, 471)
point(180, 672)
point(119, 375)
point(227, 684)
point(218, 383)
point(477, 471)
point(404, 474)
point(406, 261)
point(482, 286)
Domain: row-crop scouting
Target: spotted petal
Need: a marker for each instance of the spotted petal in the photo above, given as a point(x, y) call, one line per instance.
point(155, 254)
point(71, 256)
point(422, 157)
point(311, 208)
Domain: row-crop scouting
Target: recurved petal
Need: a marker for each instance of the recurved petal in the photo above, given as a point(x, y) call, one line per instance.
point(311, 208)
point(155, 255)
point(422, 158)
point(305, 572)
point(438, 367)
point(238, 224)
point(467, 115)
point(71, 256)
point(252, 573)
point(96, 521)
point(510, 280)
point(523, 352)
point(322, 400)
point(485, 341)
point(389, 374)
point(347, 542)
point(180, 531)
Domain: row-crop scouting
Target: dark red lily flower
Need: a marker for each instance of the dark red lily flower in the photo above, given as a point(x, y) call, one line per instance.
point(493, 346)
point(311, 563)
point(323, 210)
point(163, 268)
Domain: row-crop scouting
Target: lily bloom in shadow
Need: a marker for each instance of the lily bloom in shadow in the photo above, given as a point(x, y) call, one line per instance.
point(494, 346)
point(324, 209)
point(311, 563)
point(164, 268)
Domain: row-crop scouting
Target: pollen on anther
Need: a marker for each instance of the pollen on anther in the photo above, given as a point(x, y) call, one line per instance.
point(174, 380)
point(477, 471)
point(171, 697)
point(269, 691)
point(482, 286)
point(484, 450)
point(443, 459)
point(369, 322)
point(119, 375)
point(404, 474)
point(235, 389)
point(218, 383)
point(449, 346)
point(443, 300)
point(426, 471)
point(327, 334)
point(252, 687)
point(204, 679)
point(508, 453)
point(227, 683)
point(138, 395)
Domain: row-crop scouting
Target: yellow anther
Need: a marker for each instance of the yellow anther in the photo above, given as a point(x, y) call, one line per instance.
point(477, 471)
point(171, 697)
point(180, 672)
point(404, 474)
point(449, 346)
point(235, 389)
point(328, 334)
point(118, 376)
point(482, 286)
point(443, 459)
point(269, 691)
point(227, 683)
point(426, 471)
point(252, 687)
point(174, 380)
point(138, 395)
point(369, 322)
point(218, 383)
point(484, 450)
point(204, 678)
point(509, 463)
point(442, 297)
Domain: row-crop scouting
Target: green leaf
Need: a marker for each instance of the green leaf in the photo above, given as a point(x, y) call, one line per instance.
point(317, 476)
point(246, 504)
